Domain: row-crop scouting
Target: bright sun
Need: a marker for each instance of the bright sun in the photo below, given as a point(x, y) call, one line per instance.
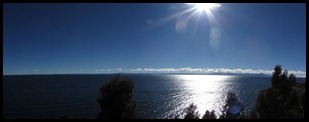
point(205, 6)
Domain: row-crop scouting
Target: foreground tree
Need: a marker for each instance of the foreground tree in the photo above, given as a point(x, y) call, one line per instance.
point(282, 100)
point(234, 108)
point(115, 100)
point(191, 113)
point(209, 115)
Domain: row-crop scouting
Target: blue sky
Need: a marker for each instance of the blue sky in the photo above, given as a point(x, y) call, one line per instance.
point(57, 38)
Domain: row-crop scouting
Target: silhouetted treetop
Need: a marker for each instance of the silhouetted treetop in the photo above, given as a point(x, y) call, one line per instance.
point(115, 99)
point(281, 100)
point(191, 113)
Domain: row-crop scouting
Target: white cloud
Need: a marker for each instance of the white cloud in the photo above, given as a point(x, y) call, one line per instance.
point(118, 69)
point(298, 73)
point(213, 70)
point(136, 70)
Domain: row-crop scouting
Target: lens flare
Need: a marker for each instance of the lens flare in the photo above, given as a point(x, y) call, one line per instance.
point(205, 6)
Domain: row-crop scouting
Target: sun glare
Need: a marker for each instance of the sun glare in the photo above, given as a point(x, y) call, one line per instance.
point(206, 6)
point(203, 90)
point(207, 10)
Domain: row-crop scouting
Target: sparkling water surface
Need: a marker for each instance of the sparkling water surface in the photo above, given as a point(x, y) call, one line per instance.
point(156, 95)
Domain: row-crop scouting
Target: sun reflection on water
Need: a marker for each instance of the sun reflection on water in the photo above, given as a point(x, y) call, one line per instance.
point(208, 92)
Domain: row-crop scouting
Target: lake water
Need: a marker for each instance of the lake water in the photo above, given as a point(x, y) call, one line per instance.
point(156, 95)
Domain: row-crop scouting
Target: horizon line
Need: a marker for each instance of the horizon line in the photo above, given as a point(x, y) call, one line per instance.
point(184, 70)
point(187, 73)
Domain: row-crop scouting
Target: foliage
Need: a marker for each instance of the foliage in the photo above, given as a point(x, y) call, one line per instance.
point(283, 99)
point(267, 103)
point(233, 109)
point(191, 113)
point(115, 99)
point(209, 115)
point(275, 78)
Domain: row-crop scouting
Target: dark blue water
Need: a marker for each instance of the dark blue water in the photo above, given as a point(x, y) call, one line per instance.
point(156, 96)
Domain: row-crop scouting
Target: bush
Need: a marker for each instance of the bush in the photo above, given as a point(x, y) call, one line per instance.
point(115, 100)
